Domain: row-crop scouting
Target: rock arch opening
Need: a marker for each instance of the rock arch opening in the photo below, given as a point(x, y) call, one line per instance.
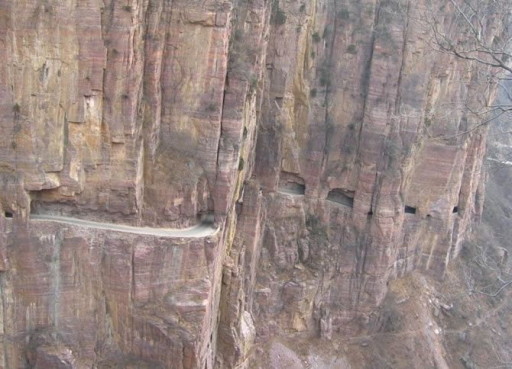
point(342, 197)
point(292, 184)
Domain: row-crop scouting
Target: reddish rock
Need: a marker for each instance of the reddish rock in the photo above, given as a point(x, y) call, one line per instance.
point(314, 136)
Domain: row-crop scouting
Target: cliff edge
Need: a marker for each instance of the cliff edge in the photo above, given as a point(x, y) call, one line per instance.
point(182, 181)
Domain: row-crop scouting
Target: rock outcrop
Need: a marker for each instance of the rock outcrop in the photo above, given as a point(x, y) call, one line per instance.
point(325, 144)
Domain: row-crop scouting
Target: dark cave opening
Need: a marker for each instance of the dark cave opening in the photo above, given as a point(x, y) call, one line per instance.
point(409, 210)
point(342, 197)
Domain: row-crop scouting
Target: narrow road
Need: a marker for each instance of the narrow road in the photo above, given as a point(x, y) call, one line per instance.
point(290, 191)
point(201, 230)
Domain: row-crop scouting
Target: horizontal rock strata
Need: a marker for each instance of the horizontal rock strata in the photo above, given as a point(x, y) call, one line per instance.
point(325, 146)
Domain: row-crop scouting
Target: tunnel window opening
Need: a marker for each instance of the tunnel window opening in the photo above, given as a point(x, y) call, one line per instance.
point(33, 207)
point(292, 184)
point(8, 214)
point(293, 188)
point(410, 210)
point(455, 210)
point(207, 218)
point(345, 198)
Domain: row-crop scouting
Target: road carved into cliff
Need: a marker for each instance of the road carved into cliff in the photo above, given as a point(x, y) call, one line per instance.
point(291, 188)
point(201, 230)
point(290, 191)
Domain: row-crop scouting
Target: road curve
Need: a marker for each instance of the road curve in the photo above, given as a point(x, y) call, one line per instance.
point(201, 230)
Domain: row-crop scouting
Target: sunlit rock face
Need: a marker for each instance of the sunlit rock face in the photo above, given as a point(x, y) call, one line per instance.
point(320, 144)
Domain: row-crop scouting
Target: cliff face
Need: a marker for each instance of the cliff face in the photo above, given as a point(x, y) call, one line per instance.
point(321, 145)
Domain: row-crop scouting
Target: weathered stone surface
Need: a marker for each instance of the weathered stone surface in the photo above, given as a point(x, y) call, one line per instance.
point(149, 297)
point(319, 137)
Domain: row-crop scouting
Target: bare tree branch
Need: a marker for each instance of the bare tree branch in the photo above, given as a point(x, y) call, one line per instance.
point(480, 34)
point(508, 283)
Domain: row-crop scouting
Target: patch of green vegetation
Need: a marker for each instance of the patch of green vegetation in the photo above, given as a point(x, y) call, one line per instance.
point(278, 16)
point(242, 55)
point(127, 8)
point(316, 37)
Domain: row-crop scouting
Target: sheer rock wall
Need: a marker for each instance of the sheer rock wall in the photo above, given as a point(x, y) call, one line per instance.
point(322, 138)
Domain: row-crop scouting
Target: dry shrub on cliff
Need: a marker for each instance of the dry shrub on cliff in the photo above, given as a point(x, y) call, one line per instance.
point(16, 109)
point(480, 33)
point(242, 55)
point(278, 16)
